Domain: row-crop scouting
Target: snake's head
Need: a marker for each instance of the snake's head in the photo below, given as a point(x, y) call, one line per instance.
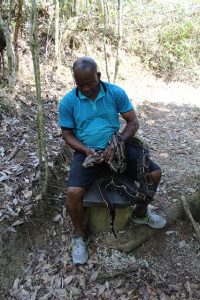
point(91, 160)
point(88, 162)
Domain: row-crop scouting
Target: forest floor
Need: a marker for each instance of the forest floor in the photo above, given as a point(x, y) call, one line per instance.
point(35, 250)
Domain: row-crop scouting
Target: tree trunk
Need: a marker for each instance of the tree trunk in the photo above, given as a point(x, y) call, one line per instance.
point(77, 7)
point(10, 53)
point(104, 39)
point(100, 6)
point(40, 110)
point(57, 34)
point(119, 38)
point(138, 234)
point(74, 8)
point(16, 33)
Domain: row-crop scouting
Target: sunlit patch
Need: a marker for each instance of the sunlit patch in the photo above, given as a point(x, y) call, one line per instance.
point(150, 122)
point(164, 154)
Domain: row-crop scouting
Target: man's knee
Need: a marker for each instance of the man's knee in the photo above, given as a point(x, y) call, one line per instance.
point(75, 193)
point(156, 176)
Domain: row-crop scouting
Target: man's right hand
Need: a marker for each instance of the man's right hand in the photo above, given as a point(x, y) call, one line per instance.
point(92, 152)
point(89, 151)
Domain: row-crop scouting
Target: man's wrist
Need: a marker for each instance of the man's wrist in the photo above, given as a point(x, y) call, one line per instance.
point(89, 151)
point(123, 138)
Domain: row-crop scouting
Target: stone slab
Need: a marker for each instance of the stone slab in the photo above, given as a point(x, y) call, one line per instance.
point(93, 197)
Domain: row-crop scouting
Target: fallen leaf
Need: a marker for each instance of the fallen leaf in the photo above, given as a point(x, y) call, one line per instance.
point(4, 177)
point(94, 276)
point(68, 279)
point(57, 218)
point(16, 283)
point(18, 222)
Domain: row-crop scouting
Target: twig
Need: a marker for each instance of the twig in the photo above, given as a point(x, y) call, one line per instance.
point(190, 217)
point(13, 153)
point(15, 150)
point(115, 274)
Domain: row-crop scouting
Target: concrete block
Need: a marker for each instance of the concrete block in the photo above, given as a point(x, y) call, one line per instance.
point(98, 219)
point(97, 214)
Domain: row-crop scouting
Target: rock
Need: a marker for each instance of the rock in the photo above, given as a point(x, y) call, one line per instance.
point(163, 296)
point(182, 244)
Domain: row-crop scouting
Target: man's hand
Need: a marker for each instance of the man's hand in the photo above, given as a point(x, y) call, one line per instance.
point(93, 154)
point(89, 151)
point(108, 154)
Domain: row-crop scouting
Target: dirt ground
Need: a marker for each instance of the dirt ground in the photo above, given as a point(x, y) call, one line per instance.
point(35, 247)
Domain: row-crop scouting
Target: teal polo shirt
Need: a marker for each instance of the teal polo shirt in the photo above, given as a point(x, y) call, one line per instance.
point(94, 121)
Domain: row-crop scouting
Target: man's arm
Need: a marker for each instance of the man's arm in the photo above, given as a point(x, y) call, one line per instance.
point(74, 143)
point(130, 130)
point(132, 125)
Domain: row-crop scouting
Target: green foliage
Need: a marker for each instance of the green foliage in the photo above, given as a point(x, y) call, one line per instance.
point(175, 41)
point(166, 36)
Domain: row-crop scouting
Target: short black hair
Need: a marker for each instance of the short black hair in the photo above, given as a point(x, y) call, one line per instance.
point(84, 63)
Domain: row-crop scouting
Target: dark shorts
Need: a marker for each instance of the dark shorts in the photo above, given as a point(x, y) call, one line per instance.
point(84, 177)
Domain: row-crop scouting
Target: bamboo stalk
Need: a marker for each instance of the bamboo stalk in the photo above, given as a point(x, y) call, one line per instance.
point(104, 39)
point(16, 33)
point(119, 38)
point(57, 34)
point(40, 111)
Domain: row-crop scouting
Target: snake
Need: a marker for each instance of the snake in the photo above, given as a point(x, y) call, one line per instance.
point(135, 194)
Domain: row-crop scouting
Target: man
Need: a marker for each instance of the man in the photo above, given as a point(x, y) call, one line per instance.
point(89, 116)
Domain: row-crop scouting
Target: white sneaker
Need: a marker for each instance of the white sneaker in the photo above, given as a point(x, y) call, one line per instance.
point(79, 250)
point(151, 219)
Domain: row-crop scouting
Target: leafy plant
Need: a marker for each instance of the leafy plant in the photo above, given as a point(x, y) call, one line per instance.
point(175, 41)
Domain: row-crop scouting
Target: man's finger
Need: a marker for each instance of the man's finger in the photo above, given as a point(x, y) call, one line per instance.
point(111, 156)
point(99, 161)
point(107, 154)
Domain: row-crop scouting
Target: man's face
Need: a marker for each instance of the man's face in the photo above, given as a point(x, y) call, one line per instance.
point(87, 82)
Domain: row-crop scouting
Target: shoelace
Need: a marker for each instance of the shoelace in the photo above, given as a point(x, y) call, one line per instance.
point(153, 217)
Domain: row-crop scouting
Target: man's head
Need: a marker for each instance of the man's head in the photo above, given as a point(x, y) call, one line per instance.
point(86, 76)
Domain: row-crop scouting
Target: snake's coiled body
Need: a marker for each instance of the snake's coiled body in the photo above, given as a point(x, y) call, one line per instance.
point(141, 194)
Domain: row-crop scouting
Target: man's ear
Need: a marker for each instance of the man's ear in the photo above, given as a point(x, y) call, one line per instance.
point(99, 75)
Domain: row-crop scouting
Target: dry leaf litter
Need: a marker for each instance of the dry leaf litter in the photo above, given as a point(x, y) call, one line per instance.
point(164, 268)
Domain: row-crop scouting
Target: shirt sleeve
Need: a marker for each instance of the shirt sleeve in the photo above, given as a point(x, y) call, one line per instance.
point(123, 102)
point(66, 118)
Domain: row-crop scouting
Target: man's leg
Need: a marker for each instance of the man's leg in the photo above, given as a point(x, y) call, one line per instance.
point(76, 210)
point(79, 180)
point(141, 210)
point(141, 214)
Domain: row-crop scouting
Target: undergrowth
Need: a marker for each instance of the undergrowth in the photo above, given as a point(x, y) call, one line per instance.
point(166, 36)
